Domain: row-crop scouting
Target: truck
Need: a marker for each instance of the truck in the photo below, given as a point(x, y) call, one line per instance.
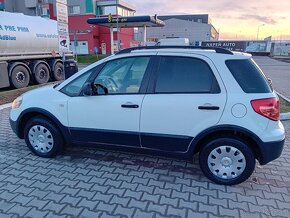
point(29, 50)
point(173, 41)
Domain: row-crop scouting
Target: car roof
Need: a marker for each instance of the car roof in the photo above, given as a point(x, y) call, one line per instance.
point(205, 51)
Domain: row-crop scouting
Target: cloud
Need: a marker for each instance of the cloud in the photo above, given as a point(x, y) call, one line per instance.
point(230, 16)
point(262, 19)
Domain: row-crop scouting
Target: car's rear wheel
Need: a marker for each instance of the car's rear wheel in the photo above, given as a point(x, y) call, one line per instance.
point(227, 161)
point(43, 137)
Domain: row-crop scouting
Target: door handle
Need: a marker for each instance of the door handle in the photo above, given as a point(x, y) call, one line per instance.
point(127, 105)
point(212, 108)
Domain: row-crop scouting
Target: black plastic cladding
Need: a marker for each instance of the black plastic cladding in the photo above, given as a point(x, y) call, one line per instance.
point(216, 49)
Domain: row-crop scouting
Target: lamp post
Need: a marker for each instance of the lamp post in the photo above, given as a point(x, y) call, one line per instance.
point(259, 30)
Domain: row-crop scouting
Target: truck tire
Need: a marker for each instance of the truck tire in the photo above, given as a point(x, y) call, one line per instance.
point(41, 73)
point(58, 71)
point(20, 76)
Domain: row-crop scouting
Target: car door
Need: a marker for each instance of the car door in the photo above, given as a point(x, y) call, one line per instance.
point(111, 118)
point(186, 96)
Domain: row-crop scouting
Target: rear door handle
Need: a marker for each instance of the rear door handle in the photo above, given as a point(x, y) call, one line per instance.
point(127, 105)
point(212, 108)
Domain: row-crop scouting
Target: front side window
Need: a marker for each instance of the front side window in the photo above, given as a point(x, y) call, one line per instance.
point(75, 86)
point(124, 75)
point(185, 75)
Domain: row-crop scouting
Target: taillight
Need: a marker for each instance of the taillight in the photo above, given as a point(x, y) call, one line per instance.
point(268, 107)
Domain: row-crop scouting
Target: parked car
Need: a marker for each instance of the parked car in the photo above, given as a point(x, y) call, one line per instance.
point(173, 100)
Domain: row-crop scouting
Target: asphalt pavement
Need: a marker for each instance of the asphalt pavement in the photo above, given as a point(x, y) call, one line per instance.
point(278, 71)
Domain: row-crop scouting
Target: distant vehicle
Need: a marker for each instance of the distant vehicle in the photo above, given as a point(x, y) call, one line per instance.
point(173, 41)
point(168, 99)
point(29, 50)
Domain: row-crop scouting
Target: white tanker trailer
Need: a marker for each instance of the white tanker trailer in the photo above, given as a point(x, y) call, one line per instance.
point(29, 51)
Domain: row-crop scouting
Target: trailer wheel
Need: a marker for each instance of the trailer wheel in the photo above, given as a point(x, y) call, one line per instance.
point(41, 73)
point(20, 77)
point(58, 71)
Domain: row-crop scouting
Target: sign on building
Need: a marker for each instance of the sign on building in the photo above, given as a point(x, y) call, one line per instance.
point(241, 46)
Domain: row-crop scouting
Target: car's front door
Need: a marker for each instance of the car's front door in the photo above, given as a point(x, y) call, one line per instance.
point(112, 118)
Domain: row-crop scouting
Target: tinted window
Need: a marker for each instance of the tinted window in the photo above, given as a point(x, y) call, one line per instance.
point(185, 75)
point(249, 76)
point(123, 75)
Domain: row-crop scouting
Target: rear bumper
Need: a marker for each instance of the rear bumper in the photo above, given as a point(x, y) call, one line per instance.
point(270, 151)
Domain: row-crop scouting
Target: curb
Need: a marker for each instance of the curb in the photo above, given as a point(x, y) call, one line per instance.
point(283, 96)
point(4, 106)
point(284, 116)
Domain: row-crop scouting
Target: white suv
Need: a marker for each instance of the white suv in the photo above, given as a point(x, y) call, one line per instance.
point(172, 100)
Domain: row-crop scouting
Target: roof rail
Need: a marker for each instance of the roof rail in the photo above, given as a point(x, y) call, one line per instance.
point(216, 49)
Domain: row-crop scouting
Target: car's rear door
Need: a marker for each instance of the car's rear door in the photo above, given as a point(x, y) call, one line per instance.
point(186, 96)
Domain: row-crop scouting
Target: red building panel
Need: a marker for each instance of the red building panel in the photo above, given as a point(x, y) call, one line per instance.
point(96, 35)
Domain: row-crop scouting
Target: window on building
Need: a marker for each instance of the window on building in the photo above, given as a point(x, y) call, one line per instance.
point(75, 9)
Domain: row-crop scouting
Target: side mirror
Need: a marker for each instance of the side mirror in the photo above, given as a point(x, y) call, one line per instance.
point(99, 89)
point(270, 82)
point(91, 89)
point(87, 89)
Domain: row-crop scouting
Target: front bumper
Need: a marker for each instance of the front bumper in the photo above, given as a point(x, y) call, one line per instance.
point(14, 127)
point(270, 151)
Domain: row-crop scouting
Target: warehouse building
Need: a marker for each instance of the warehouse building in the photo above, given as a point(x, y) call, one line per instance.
point(195, 27)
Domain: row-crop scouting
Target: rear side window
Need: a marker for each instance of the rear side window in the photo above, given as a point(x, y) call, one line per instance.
point(249, 76)
point(185, 75)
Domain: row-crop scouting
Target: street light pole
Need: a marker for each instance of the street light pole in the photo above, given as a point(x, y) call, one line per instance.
point(259, 30)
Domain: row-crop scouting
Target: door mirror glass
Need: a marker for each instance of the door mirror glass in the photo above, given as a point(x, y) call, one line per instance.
point(99, 89)
point(87, 89)
point(91, 89)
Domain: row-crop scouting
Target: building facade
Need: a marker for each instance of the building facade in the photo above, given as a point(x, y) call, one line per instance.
point(85, 38)
point(196, 28)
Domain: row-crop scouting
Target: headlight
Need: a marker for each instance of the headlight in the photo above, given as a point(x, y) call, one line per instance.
point(17, 102)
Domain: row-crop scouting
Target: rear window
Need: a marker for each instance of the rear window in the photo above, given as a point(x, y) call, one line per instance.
point(249, 76)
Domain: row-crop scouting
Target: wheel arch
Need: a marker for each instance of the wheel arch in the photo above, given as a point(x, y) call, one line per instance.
point(26, 115)
point(36, 63)
point(15, 64)
point(249, 137)
point(53, 62)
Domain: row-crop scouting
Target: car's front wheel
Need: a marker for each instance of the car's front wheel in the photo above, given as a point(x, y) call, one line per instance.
point(227, 161)
point(43, 137)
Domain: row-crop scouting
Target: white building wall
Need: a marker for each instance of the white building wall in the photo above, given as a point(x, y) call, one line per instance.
point(194, 31)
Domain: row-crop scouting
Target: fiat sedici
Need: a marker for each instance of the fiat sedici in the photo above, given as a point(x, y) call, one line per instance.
point(167, 100)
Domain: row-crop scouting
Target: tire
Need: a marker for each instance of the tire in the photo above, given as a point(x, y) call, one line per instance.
point(20, 77)
point(227, 161)
point(41, 73)
point(58, 72)
point(42, 137)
